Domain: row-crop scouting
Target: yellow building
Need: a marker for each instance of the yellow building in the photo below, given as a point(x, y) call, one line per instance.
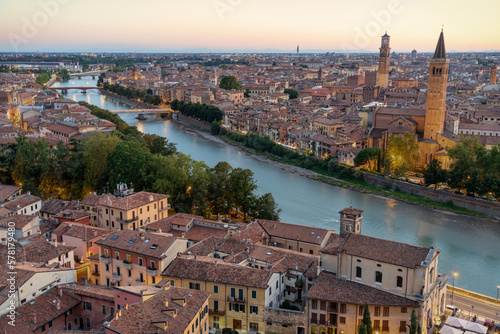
point(134, 258)
point(239, 294)
point(131, 212)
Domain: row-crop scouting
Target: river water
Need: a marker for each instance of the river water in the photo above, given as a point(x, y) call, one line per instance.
point(470, 246)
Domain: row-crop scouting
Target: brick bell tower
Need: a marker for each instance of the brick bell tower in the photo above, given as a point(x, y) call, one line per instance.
point(493, 75)
point(435, 111)
point(350, 221)
point(383, 61)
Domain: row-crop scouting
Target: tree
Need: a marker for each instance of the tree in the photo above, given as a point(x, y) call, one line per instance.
point(242, 185)
point(362, 329)
point(434, 174)
point(403, 152)
point(126, 162)
point(265, 207)
point(292, 93)
point(159, 145)
point(219, 192)
point(96, 150)
point(247, 93)
point(413, 326)
point(214, 128)
point(367, 321)
point(366, 156)
point(229, 82)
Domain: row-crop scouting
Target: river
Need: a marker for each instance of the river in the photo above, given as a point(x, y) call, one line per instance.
point(469, 245)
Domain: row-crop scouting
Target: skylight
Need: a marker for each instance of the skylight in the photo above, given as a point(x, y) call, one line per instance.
point(154, 246)
point(114, 237)
point(132, 240)
point(146, 241)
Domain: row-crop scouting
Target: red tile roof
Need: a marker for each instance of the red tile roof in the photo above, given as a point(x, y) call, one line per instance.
point(131, 201)
point(329, 287)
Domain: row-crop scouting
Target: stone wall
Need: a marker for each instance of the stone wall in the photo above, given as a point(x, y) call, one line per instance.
point(474, 204)
point(281, 321)
point(193, 122)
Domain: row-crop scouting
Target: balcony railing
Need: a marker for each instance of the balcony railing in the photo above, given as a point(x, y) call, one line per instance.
point(127, 265)
point(235, 300)
point(217, 312)
point(140, 281)
point(151, 271)
point(95, 273)
point(128, 220)
point(105, 259)
point(117, 276)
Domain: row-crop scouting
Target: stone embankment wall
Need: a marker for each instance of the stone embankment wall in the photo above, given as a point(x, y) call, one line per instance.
point(136, 104)
point(474, 204)
point(191, 121)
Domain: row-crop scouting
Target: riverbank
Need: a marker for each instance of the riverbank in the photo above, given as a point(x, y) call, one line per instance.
point(391, 193)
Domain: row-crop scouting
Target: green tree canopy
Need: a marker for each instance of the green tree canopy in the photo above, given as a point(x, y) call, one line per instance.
point(413, 326)
point(433, 173)
point(402, 150)
point(292, 93)
point(367, 320)
point(229, 82)
point(362, 329)
point(367, 155)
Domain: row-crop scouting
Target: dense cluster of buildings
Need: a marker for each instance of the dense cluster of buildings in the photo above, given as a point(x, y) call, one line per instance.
point(118, 263)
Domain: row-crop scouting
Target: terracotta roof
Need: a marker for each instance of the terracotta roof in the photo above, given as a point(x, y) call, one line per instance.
point(90, 290)
point(72, 215)
point(7, 190)
point(139, 317)
point(351, 211)
point(36, 249)
point(312, 235)
point(131, 201)
point(147, 244)
point(329, 287)
point(90, 200)
point(45, 309)
point(80, 231)
point(21, 202)
point(19, 221)
point(209, 269)
point(382, 250)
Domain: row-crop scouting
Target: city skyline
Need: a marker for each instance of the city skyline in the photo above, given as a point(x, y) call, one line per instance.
point(241, 26)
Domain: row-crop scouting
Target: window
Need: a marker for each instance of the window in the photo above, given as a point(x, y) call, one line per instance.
point(358, 272)
point(107, 267)
point(270, 291)
point(103, 309)
point(314, 304)
point(378, 277)
point(129, 259)
point(322, 305)
point(117, 255)
point(240, 294)
point(129, 273)
point(399, 282)
point(254, 310)
point(377, 311)
point(50, 322)
point(153, 279)
point(233, 292)
point(87, 306)
point(254, 327)
point(310, 251)
point(216, 289)
point(195, 286)
point(314, 318)
point(342, 320)
point(216, 322)
point(43, 328)
point(404, 310)
point(140, 211)
point(153, 265)
point(322, 319)
point(361, 310)
point(343, 308)
point(386, 311)
point(376, 325)
point(385, 326)
point(140, 261)
point(88, 322)
point(216, 305)
point(254, 294)
point(402, 326)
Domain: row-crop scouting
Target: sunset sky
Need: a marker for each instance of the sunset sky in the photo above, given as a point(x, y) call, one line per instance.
point(240, 25)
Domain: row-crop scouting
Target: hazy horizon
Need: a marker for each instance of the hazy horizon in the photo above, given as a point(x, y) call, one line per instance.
point(228, 26)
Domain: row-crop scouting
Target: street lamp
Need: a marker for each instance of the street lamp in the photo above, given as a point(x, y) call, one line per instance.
point(455, 274)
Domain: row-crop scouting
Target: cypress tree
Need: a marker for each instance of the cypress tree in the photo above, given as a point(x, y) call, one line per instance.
point(367, 320)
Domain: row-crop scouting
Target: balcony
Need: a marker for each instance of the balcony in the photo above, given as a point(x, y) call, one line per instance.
point(140, 281)
point(330, 309)
point(105, 259)
point(127, 264)
point(217, 312)
point(236, 300)
point(117, 277)
point(95, 273)
point(151, 271)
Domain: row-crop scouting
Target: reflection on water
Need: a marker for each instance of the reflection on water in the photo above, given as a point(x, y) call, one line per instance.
point(468, 245)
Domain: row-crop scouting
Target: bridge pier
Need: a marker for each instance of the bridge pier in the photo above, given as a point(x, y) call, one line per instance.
point(141, 117)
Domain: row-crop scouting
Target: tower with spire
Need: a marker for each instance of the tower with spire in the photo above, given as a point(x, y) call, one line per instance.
point(383, 61)
point(435, 111)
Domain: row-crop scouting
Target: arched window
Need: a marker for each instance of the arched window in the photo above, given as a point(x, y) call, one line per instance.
point(378, 277)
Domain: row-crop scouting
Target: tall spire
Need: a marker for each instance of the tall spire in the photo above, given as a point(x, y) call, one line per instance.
point(440, 52)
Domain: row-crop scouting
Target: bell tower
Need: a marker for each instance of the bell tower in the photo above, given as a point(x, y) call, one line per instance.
point(493, 75)
point(383, 61)
point(350, 221)
point(435, 112)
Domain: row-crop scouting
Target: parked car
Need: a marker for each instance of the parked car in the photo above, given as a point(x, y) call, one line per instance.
point(471, 194)
point(489, 323)
point(460, 192)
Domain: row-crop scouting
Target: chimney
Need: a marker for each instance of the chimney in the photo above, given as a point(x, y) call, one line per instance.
point(58, 305)
point(34, 318)
point(60, 291)
point(274, 226)
point(166, 303)
point(143, 236)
